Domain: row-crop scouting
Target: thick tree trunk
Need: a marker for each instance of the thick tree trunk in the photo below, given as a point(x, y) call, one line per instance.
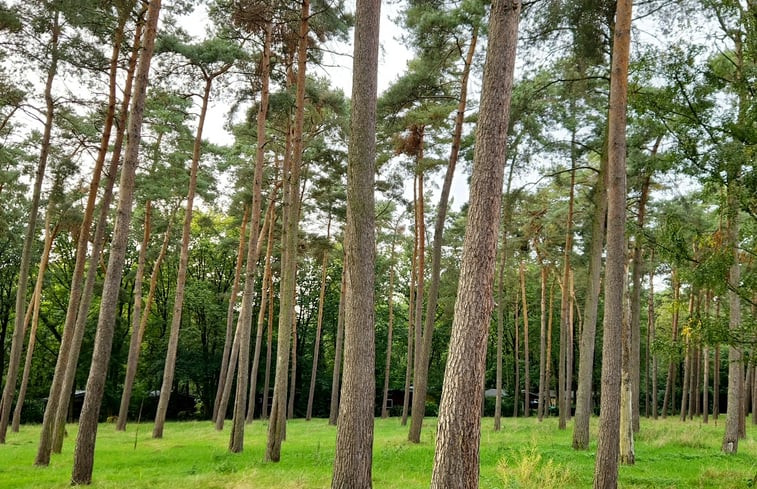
point(19, 328)
point(287, 288)
point(336, 379)
point(354, 439)
point(456, 462)
point(228, 339)
point(135, 345)
point(606, 468)
point(420, 381)
point(136, 321)
point(85, 440)
point(319, 323)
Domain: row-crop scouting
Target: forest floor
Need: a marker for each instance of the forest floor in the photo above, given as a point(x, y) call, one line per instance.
point(524, 454)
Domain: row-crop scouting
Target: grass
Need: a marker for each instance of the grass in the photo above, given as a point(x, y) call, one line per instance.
point(525, 454)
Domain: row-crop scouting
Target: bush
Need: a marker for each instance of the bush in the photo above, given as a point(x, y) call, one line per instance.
point(527, 470)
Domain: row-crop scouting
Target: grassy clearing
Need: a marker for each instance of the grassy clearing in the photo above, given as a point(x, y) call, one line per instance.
point(525, 454)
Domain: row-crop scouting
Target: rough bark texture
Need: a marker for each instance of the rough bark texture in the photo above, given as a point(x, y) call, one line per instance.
point(606, 468)
point(287, 287)
point(354, 440)
point(420, 381)
point(85, 440)
point(19, 328)
point(457, 445)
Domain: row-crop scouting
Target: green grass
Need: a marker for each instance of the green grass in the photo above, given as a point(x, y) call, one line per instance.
point(525, 454)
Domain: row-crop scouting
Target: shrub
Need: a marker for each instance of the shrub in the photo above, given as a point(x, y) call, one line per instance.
point(527, 470)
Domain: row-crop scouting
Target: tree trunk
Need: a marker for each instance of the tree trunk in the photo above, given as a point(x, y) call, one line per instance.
point(228, 339)
point(526, 364)
point(317, 344)
point(516, 358)
point(652, 335)
point(548, 366)
point(35, 306)
point(266, 284)
point(135, 346)
point(390, 326)
point(606, 468)
point(565, 325)
point(420, 381)
point(85, 440)
point(181, 274)
point(292, 370)
point(410, 329)
point(136, 320)
point(19, 328)
point(338, 349)
point(269, 344)
point(456, 462)
point(588, 335)
point(627, 452)
point(277, 422)
point(419, 398)
point(670, 380)
point(354, 439)
point(543, 387)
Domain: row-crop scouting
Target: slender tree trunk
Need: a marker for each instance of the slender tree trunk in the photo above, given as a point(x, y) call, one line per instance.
point(181, 275)
point(685, 387)
point(565, 325)
point(354, 439)
point(35, 306)
point(652, 335)
point(136, 320)
point(588, 335)
point(516, 359)
point(627, 451)
point(410, 338)
point(292, 370)
point(277, 422)
point(319, 324)
point(85, 440)
point(420, 381)
point(419, 397)
point(19, 328)
point(269, 344)
point(543, 387)
point(270, 221)
point(134, 347)
point(670, 380)
point(228, 339)
point(500, 327)
point(456, 461)
point(716, 374)
point(606, 468)
point(548, 366)
point(526, 364)
point(390, 326)
point(338, 350)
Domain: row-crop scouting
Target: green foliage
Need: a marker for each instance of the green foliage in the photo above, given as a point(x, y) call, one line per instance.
point(528, 470)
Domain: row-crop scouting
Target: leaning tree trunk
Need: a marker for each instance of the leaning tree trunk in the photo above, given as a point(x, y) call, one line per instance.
point(456, 462)
point(228, 338)
point(354, 439)
point(317, 344)
point(35, 306)
point(606, 468)
point(420, 381)
point(265, 285)
point(181, 275)
point(276, 425)
point(588, 335)
point(135, 345)
point(85, 440)
point(19, 331)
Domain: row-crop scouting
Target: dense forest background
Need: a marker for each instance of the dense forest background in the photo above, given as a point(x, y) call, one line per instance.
point(691, 202)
